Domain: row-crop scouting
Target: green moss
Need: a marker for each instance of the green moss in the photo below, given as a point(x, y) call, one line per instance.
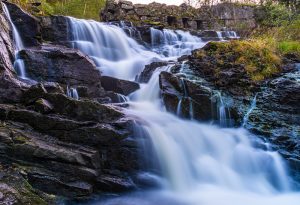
point(259, 60)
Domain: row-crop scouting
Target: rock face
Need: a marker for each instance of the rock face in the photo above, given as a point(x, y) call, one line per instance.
point(123, 87)
point(67, 149)
point(26, 24)
point(277, 115)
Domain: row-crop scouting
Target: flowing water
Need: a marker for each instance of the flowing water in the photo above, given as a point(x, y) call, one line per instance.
point(73, 93)
point(200, 164)
point(19, 63)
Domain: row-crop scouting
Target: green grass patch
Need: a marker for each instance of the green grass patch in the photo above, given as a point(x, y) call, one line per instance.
point(259, 59)
point(286, 47)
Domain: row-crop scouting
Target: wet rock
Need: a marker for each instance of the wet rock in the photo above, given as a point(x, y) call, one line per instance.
point(123, 87)
point(176, 91)
point(277, 113)
point(26, 24)
point(11, 88)
point(145, 76)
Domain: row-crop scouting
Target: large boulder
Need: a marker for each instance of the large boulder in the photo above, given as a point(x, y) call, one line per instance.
point(63, 65)
point(123, 87)
point(26, 25)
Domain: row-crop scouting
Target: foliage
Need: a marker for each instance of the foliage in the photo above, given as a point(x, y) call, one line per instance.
point(259, 59)
point(287, 47)
point(280, 28)
point(88, 9)
point(273, 15)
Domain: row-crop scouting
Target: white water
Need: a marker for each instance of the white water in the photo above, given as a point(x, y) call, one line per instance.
point(72, 93)
point(19, 65)
point(201, 164)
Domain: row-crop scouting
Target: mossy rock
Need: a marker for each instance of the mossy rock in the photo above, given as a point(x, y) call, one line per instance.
point(259, 60)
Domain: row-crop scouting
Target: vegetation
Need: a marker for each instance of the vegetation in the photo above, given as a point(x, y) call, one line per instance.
point(279, 27)
point(88, 9)
point(259, 59)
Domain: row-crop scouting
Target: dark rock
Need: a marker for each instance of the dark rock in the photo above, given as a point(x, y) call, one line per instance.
point(174, 90)
point(26, 24)
point(63, 65)
point(115, 184)
point(14, 189)
point(43, 106)
point(145, 76)
point(123, 87)
point(55, 29)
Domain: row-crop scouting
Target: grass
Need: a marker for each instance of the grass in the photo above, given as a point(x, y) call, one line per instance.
point(259, 58)
point(286, 47)
point(86, 9)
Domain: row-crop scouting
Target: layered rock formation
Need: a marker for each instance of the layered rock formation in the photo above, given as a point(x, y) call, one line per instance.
point(49, 142)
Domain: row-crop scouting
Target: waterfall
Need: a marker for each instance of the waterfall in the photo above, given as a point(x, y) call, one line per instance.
point(198, 163)
point(187, 98)
point(174, 43)
point(19, 65)
point(220, 36)
point(252, 107)
point(72, 93)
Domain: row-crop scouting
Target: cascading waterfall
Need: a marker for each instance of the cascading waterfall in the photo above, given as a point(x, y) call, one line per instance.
point(19, 65)
point(200, 164)
point(252, 107)
point(72, 93)
point(173, 43)
point(115, 53)
point(182, 98)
